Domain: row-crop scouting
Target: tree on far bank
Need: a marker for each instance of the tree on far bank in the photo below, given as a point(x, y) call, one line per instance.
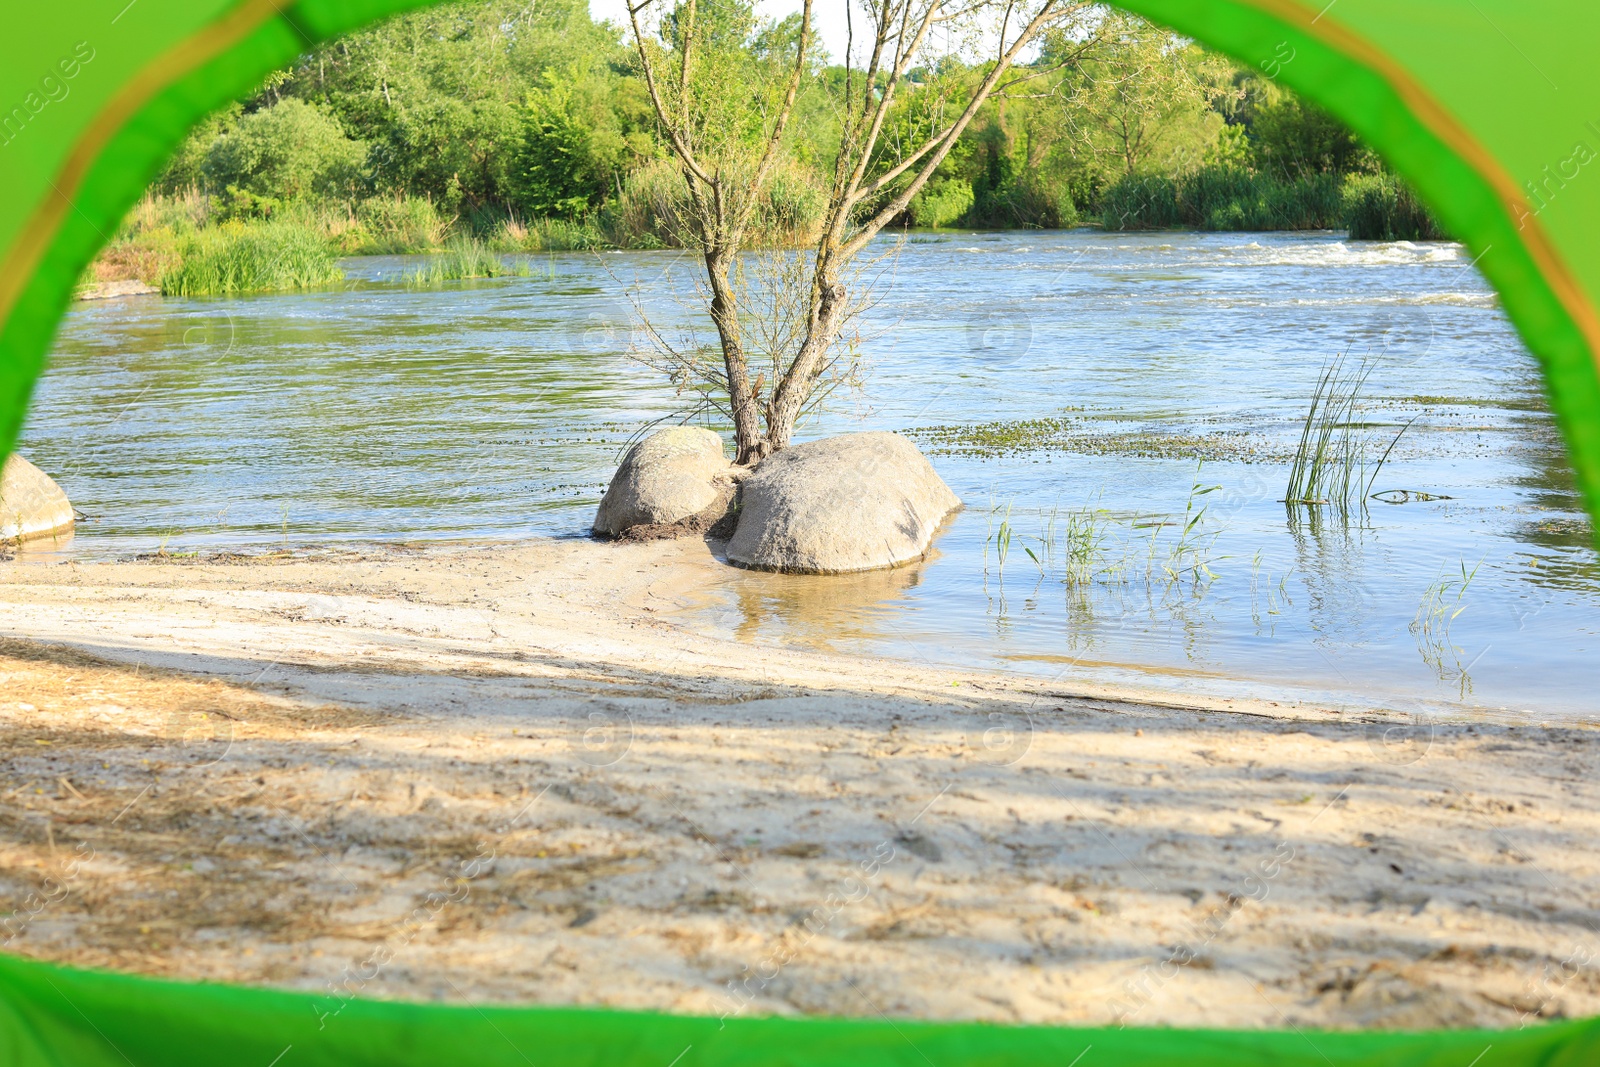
point(289, 151)
point(1147, 98)
point(1294, 138)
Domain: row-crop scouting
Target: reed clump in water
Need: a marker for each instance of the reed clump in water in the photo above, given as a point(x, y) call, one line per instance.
point(1223, 198)
point(390, 225)
point(1335, 462)
point(250, 257)
point(556, 235)
point(467, 257)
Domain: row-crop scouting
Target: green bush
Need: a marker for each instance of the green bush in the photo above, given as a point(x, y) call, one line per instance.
point(288, 151)
point(1381, 207)
point(556, 173)
point(1034, 203)
point(185, 171)
point(941, 202)
point(251, 257)
point(1292, 138)
point(236, 203)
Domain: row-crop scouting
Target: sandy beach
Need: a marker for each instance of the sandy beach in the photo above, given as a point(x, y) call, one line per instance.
point(500, 773)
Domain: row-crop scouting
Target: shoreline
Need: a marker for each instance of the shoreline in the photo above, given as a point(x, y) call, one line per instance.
point(704, 577)
point(616, 810)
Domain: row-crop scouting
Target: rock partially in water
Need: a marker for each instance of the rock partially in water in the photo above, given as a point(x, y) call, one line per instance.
point(675, 481)
point(31, 503)
point(857, 502)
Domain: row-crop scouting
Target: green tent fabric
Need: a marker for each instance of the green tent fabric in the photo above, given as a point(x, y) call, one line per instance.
point(1490, 108)
point(50, 1017)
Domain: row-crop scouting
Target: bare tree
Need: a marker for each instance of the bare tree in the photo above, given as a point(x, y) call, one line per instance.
point(894, 133)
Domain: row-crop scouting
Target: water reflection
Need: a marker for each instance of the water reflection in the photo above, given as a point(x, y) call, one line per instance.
point(1331, 567)
point(824, 611)
point(52, 548)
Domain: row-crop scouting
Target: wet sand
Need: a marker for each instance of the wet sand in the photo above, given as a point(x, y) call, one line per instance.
point(499, 772)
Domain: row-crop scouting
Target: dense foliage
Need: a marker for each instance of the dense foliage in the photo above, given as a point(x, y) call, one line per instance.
point(527, 124)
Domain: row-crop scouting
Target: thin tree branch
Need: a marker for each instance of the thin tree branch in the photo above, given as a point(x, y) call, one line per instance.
point(1047, 13)
point(679, 145)
point(769, 157)
point(683, 64)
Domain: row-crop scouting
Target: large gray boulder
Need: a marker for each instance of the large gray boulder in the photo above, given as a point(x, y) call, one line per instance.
point(857, 502)
point(31, 503)
point(670, 479)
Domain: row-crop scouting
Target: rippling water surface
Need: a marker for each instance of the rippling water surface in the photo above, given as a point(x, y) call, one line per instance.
point(1076, 387)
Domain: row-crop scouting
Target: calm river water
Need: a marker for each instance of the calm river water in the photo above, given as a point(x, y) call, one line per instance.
point(1062, 383)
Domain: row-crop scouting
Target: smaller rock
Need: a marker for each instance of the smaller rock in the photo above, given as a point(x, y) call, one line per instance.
point(31, 503)
point(856, 502)
point(674, 480)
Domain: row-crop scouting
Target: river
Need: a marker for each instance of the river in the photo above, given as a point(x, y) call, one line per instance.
point(1075, 388)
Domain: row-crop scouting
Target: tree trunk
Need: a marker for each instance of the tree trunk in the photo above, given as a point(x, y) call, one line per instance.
point(750, 443)
point(789, 397)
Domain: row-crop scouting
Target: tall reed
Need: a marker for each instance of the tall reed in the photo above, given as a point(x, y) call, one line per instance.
point(468, 257)
point(251, 257)
point(1335, 463)
point(1376, 207)
point(1381, 207)
point(1223, 198)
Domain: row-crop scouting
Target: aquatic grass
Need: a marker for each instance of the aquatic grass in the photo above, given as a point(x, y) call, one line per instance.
point(188, 241)
point(1323, 465)
point(1333, 464)
point(1079, 536)
point(1191, 555)
point(251, 257)
point(1083, 542)
point(1002, 541)
point(1276, 597)
point(1224, 198)
point(1088, 548)
point(1442, 603)
point(1083, 435)
point(467, 257)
